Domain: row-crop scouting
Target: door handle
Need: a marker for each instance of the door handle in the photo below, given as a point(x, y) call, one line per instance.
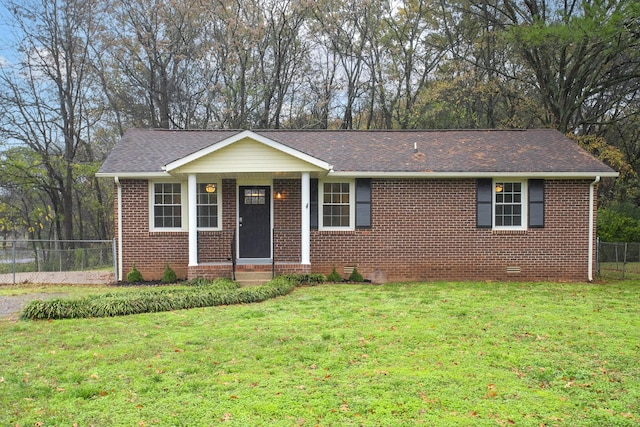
point(239, 221)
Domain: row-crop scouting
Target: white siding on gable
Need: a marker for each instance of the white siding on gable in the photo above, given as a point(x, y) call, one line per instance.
point(247, 155)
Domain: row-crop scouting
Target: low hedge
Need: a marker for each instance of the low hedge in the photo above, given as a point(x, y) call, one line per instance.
point(198, 293)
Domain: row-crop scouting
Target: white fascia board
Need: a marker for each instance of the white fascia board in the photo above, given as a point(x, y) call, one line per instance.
point(557, 175)
point(133, 175)
point(251, 135)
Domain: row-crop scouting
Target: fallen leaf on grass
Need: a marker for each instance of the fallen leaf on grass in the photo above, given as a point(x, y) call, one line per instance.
point(491, 391)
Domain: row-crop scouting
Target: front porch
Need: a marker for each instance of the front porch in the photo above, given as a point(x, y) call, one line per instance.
point(286, 235)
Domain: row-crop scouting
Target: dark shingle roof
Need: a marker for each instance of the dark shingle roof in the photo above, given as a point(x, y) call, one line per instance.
point(451, 151)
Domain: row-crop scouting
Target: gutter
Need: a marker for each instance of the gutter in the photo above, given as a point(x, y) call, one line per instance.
point(495, 174)
point(591, 212)
point(119, 186)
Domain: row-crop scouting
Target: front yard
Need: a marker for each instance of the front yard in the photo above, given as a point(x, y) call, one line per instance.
point(394, 355)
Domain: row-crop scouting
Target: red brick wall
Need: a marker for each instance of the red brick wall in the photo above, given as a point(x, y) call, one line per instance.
point(150, 252)
point(422, 230)
point(426, 230)
point(287, 220)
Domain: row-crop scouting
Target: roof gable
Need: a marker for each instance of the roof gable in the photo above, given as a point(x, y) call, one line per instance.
point(247, 152)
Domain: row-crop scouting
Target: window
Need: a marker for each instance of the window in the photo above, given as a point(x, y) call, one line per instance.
point(207, 205)
point(340, 205)
point(167, 205)
point(508, 204)
point(336, 204)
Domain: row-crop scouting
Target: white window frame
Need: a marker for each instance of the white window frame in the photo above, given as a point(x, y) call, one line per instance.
point(218, 204)
point(184, 214)
point(352, 204)
point(524, 204)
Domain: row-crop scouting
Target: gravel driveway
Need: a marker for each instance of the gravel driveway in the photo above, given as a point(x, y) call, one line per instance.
point(10, 306)
point(60, 278)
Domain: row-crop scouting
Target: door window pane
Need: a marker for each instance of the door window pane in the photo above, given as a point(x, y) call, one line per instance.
point(255, 196)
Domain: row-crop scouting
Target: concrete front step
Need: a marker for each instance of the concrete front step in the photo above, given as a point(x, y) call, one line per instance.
point(253, 278)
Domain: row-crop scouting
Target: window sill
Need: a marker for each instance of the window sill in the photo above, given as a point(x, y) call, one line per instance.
point(336, 231)
point(165, 232)
point(508, 232)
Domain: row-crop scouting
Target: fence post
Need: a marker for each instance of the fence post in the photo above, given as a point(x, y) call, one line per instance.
point(13, 260)
point(598, 256)
point(115, 261)
point(624, 259)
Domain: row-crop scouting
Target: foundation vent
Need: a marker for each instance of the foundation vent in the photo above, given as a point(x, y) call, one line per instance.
point(513, 269)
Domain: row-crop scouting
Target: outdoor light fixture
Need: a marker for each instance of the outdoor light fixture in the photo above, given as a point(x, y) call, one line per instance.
point(278, 195)
point(210, 188)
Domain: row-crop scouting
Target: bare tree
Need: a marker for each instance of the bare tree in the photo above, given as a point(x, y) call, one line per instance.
point(46, 97)
point(281, 54)
point(346, 27)
point(153, 62)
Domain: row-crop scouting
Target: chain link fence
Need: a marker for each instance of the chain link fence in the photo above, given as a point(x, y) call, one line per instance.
point(618, 260)
point(19, 257)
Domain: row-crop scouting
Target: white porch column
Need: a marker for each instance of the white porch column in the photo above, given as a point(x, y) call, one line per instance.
point(193, 220)
point(305, 232)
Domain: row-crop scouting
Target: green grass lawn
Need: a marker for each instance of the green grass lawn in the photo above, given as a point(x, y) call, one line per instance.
point(467, 354)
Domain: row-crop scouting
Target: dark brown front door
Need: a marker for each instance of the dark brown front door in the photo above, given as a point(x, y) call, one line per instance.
point(254, 222)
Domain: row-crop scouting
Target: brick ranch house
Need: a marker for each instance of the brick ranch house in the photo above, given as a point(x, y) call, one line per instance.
point(399, 205)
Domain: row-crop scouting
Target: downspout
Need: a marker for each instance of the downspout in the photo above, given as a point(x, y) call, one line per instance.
point(119, 187)
point(591, 212)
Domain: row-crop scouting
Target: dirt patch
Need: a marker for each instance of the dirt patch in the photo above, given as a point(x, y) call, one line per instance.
point(10, 306)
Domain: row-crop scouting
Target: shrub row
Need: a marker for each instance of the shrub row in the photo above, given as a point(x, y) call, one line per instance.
point(199, 293)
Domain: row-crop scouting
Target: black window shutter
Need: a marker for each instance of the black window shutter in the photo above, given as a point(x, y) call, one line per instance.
point(484, 202)
point(536, 203)
point(313, 205)
point(363, 203)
